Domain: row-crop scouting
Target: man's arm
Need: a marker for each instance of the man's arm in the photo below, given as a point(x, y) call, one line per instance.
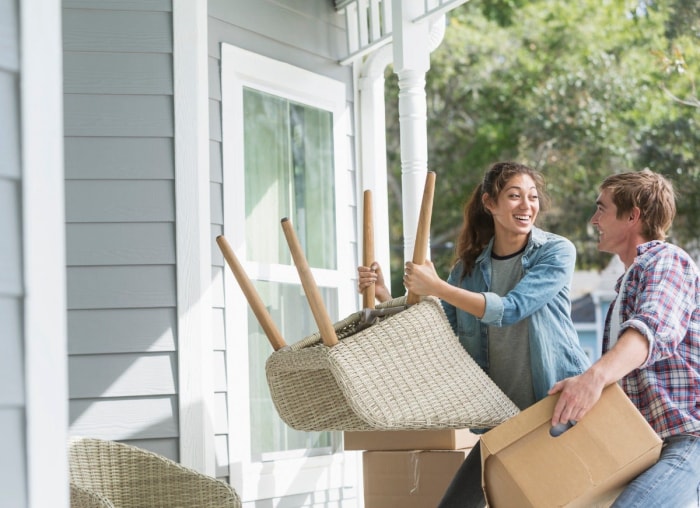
point(580, 393)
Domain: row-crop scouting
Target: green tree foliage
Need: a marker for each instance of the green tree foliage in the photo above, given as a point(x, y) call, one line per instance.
point(578, 90)
point(670, 144)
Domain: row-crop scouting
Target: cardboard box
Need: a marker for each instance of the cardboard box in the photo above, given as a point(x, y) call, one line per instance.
point(388, 440)
point(524, 466)
point(408, 479)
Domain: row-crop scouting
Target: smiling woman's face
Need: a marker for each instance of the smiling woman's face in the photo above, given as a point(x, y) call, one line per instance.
point(516, 208)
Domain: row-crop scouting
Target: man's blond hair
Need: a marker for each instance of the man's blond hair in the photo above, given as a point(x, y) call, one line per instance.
point(651, 193)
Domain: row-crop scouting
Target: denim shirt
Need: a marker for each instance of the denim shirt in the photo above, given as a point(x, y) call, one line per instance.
point(542, 295)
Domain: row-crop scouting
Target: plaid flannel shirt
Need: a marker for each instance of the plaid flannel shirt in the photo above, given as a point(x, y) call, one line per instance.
point(661, 301)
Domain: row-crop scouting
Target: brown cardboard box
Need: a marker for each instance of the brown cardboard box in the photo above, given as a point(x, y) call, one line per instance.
point(388, 440)
point(408, 479)
point(524, 466)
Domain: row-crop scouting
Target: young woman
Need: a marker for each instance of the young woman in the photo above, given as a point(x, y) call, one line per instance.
point(507, 298)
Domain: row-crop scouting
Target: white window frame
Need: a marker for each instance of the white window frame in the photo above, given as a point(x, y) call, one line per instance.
point(241, 68)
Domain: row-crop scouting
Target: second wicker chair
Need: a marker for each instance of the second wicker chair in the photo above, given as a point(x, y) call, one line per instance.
point(106, 474)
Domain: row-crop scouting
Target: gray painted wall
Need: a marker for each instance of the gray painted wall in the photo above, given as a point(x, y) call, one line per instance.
point(120, 201)
point(120, 213)
point(13, 479)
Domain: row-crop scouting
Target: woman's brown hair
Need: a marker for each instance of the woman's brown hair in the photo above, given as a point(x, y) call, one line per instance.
point(477, 226)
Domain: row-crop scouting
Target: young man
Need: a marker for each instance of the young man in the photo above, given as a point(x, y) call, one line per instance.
point(652, 337)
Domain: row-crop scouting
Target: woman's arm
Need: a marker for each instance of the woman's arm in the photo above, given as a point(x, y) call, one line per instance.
point(424, 280)
point(542, 282)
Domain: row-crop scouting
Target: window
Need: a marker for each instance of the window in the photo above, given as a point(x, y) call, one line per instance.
point(283, 144)
point(288, 172)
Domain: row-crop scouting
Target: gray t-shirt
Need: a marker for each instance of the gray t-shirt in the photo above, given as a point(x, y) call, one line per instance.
point(509, 346)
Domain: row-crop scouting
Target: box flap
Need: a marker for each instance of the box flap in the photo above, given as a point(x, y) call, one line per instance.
point(512, 429)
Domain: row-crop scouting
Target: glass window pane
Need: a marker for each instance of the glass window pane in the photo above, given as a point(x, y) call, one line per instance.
point(267, 176)
point(312, 149)
point(288, 173)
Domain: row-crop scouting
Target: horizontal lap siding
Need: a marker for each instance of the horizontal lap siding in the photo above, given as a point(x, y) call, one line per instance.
point(120, 213)
point(118, 201)
point(120, 287)
point(129, 418)
point(13, 481)
point(119, 158)
point(118, 115)
point(9, 120)
point(117, 243)
point(127, 5)
point(10, 229)
point(123, 375)
point(12, 358)
point(100, 29)
point(13, 459)
point(118, 73)
point(105, 331)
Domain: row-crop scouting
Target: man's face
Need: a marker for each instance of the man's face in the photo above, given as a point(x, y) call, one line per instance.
point(612, 232)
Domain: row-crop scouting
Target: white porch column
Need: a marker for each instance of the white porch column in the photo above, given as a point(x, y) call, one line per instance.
point(373, 174)
point(411, 62)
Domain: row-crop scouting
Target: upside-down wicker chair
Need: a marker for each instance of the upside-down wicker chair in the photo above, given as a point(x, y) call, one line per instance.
point(111, 474)
point(406, 372)
point(403, 369)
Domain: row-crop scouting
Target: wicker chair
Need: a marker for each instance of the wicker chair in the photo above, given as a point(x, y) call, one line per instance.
point(84, 498)
point(107, 474)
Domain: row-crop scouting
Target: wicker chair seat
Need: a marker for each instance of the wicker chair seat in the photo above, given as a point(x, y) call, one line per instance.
point(406, 372)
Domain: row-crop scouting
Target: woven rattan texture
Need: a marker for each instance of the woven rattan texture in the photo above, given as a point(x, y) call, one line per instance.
point(84, 498)
point(406, 372)
point(129, 477)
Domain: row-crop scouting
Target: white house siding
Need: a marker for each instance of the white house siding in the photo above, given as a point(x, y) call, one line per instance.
point(12, 372)
point(120, 221)
point(308, 34)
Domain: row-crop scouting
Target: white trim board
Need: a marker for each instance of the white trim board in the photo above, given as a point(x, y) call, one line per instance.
point(44, 266)
point(193, 236)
